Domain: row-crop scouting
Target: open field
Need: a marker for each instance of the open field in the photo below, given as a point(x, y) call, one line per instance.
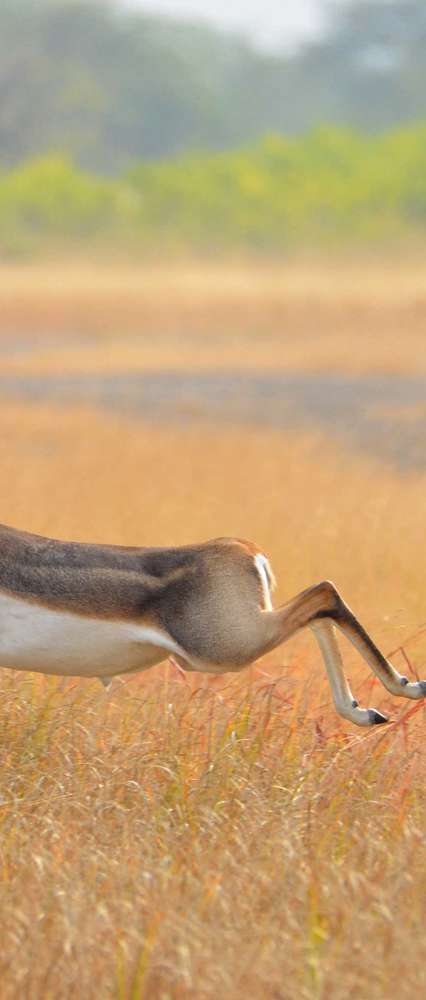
point(343, 317)
point(187, 838)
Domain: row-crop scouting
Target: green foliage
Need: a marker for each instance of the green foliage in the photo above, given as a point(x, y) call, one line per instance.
point(329, 187)
point(49, 201)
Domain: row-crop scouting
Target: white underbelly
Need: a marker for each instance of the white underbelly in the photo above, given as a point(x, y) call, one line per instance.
point(33, 637)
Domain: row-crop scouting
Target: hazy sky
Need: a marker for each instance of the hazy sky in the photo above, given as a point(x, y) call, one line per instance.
point(267, 22)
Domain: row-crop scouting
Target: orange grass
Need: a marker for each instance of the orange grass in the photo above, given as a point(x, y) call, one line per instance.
point(179, 843)
point(357, 317)
point(186, 837)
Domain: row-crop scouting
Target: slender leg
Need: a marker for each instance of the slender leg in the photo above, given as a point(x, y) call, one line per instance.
point(323, 603)
point(395, 683)
point(345, 703)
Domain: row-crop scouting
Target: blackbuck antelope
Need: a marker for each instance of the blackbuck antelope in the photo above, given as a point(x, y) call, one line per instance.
point(99, 610)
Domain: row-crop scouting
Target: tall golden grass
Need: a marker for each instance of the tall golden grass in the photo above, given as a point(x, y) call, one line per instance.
point(187, 838)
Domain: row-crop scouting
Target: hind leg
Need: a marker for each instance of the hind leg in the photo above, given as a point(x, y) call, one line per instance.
point(345, 703)
point(322, 604)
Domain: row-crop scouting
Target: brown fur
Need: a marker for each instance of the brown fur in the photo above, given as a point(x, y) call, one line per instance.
point(206, 597)
point(190, 592)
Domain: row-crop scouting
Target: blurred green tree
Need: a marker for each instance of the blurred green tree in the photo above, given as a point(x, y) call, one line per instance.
point(110, 86)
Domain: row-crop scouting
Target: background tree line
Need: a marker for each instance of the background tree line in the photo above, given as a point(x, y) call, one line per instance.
point(111, 87)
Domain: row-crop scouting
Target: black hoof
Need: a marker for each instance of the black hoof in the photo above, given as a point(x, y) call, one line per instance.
point(376, 718)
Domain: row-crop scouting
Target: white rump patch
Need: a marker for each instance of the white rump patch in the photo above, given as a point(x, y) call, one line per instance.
point(267, 579)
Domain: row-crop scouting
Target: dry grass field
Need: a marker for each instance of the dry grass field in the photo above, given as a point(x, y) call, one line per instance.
point(184, 838)
point(344, 317)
